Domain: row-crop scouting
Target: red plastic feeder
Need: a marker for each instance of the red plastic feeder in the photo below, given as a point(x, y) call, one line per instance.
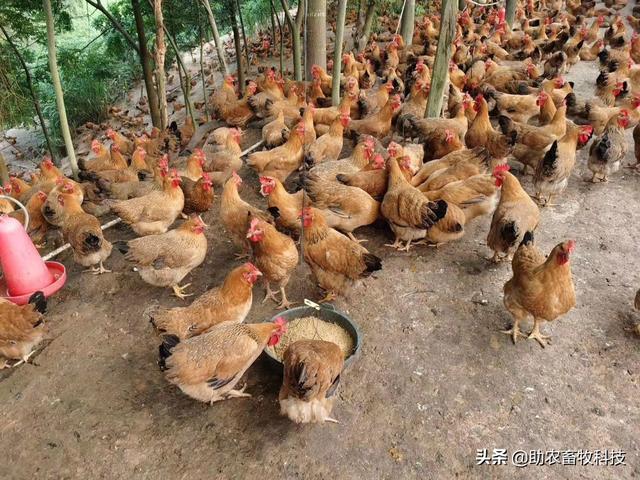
point(24, 272)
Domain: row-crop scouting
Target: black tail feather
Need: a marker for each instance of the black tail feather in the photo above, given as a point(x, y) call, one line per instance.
point(527, 239)
point(39, 301)
point(372, 263)
point(169, 342)
point(122, 246)
point(509, 232)
point(274, 211)
point(549, 160)
point(506, 124)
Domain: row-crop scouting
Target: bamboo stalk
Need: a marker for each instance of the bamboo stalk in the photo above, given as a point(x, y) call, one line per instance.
point(337, 52)
point(57, 86)
point(440, 75)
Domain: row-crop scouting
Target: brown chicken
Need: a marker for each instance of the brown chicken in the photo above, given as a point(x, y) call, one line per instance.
point(460, 170)
point(18, 189)
point(187, 130)
point(540, 287)
point(285, 207)
point(82, 231)
point(239, 112)
point(379, 123)
point(132, 173)
point(223, 96)
point(406, 209)
point(344, 208)
point(101, 159)
point(276, 132)
point(482, 133)
point(275, 255)
point(317, 72)
point(209, 366)
point(476, 195)
point(235, 214)
point(198, 196)
point(52, 210)
point(21, 329)
point(536, 138)
point(156, 211)
point(229, 302)
point(608, 150)
point(327, 147)
point(281, 161)
point(373, 181)
point(359, 159)
point(195, 166)
point(38, 225)
point(125, 145)
point(515, 215)
point(163, 260)
point(372, 101)
point(553, 171)
point(335, 260)
point(311, 376)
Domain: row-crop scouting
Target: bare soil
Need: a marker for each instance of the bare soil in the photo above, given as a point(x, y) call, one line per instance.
point(435, 381)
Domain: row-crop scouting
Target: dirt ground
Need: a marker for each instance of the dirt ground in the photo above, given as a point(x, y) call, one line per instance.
point(435, 381)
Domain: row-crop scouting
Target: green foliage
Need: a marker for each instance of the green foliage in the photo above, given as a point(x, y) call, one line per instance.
point(93, 79)
point(16, 106)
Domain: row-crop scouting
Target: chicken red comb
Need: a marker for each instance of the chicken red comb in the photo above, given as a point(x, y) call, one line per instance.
point(206, 177)
point(501, 168)
point(587, 129)
point(254, 223)
point(47, 162)
point(41, 195)
point(305, 211)
point(253, 268)
point(280, 321)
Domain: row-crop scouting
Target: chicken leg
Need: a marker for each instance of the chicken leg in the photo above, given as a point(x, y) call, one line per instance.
point(178, 291)
point(543, 340)
point(238, 393)
point(98, 270)
point(284, 304)
point(270, 294)
point(353, 237)
point(514, 331)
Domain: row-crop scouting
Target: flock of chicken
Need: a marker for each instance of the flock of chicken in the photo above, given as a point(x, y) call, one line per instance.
point(427, 178)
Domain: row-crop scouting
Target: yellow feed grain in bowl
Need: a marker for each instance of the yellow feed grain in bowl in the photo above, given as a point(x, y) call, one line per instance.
point(312, 328)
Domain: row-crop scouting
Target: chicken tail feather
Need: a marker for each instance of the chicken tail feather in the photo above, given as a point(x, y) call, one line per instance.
point(527, 239)
point(509, 232)
point(164, 350)
point(372, 263)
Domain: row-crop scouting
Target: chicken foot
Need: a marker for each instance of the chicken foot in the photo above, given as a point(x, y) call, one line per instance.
point(398, 245)
point(353, 237)
point(329, 297)
point(270, 294)
point(514, 331)
point(25, 359)
point(98, 270)
point(535, 334)
point(178, 291)
point(238, 393)
point(284, 304)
